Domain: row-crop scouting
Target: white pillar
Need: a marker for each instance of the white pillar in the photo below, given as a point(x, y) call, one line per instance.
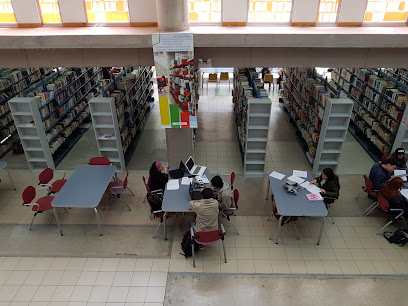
point(172, 15)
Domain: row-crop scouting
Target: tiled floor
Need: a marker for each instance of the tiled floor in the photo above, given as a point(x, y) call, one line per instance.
point(68, 275)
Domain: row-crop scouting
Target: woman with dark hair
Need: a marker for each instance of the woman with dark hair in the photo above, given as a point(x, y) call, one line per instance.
point(399, 156)
point(329, 185)
point(391, 192)
point(158, 176)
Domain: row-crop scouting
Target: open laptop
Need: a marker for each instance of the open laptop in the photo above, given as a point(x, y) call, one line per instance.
point(178, 173)
point(194, 169)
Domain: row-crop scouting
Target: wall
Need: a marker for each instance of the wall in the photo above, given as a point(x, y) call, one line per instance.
point(234, 11)
point(352, 11)
point(142, 11)
point(72, 11)
point(304, 12)
point(27, 12)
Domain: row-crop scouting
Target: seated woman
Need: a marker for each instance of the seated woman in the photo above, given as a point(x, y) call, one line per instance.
point(158, 176)
point(399, 156)
point(391, 192)
point(329, 185)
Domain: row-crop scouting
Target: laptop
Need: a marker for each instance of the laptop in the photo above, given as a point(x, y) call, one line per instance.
point(194, 169)
point(178, 173)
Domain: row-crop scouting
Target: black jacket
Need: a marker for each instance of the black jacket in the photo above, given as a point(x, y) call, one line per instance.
point(158, 181)
point(379, 176)
point(399, 202)
point(331, 188)
point(401, 163)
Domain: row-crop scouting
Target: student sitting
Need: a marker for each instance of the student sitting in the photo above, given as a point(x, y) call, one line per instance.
point(158, 176)
point(224, 194)
point(391, 192)
point(399, 157)
point(329, 185)
point(206, 210)
point(381, 173)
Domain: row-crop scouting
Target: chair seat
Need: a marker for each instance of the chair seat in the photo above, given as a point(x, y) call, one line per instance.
point(44, 203)
point(160, 215)
point(118, 188)
point(57, 185)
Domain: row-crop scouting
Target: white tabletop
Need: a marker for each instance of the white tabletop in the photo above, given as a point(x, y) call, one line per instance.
point(85, 187)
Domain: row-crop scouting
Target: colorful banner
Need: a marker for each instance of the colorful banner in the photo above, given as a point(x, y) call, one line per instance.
point(174, 62)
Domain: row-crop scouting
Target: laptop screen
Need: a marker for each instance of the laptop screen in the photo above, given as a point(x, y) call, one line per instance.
point(190, 164)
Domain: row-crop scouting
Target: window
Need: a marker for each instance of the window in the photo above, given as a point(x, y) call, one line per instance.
point(386, 10)
point(204, 10)
point(6, 12)
point(107, 10)
point(50, 11)
point(328, 11)
point(269, 10)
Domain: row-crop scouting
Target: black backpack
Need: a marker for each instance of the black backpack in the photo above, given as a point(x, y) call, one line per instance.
point(186, 245)
point(399, 237)
point(155, 200)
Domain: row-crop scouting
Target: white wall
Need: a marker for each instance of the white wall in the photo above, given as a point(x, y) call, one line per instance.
point(305, 10)
point(352, 10)
point(26, 11)
point(142, 10)
point(234, 10)
point(72, 11)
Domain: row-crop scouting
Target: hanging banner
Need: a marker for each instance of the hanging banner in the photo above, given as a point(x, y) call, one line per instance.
point(174, 62)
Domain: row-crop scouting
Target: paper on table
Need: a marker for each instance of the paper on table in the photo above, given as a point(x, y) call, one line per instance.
point(401, 174)
point(296, 179)
point(300, 173)
point(404, 192)
point(173, 185)
point(310, 187)
point(277, 175)
point(205, 179)
point(186, 180)
point(314, 197)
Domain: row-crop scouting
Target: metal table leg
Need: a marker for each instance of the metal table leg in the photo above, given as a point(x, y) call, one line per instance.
point(99, 223)
point(164, 224)
point(278, 231)
point(321, 230)
point(58, 223)
point(11, 180)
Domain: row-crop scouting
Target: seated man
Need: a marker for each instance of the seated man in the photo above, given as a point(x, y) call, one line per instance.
point(207, 212)
point(224, 195)
point(381, 173)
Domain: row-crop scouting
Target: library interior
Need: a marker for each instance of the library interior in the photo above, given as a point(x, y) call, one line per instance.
point(226, 152)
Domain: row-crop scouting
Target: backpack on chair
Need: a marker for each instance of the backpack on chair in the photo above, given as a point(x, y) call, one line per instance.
point(186, 245)
point(399, 237)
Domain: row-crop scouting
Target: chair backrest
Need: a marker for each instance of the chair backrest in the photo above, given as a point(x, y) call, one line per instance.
point(46, 176)
point(385, 206)
point(147, 186)
point(384, 158)
point(99, 161)
point(368, 184)
point(268, 78)
point(224, 76)
point(232, 179)
point(212, 77)
point(28, 195)
point(208, 237)
point(125, 181)
point(236, 197)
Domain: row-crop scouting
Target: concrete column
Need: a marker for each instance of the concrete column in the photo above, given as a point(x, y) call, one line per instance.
point(179, 146)
point(172, 15)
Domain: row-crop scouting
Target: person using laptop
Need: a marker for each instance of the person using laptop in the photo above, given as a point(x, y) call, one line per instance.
point(206, 210)
point(224, 194)
point(158, 176)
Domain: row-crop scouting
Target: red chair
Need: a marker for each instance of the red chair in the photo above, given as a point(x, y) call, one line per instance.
point(393, 213)
point(159, 213)
point(372, 194)
point(147, 188)
point(39, 206)
point(232, 180)
point(384, 158)
point(118, 187)
point(46, 176)
point(232, 209)
point(207, 238)
point(99, 161)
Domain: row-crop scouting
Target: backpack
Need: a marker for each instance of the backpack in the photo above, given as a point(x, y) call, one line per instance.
point(155, 200)
point(186, 245)
point(399, 237)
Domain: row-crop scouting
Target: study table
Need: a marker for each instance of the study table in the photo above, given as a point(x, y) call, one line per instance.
point(213, 70)
point(290, 205)
point(3, 165)
point(178, 200)
point(84, 189)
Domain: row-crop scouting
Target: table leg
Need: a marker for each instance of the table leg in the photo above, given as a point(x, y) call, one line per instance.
point(99, 222)
point(57, 220)
point(321, 230)
point(278, 231)
point(164, 224)
point(11, 180)
point(267, 192)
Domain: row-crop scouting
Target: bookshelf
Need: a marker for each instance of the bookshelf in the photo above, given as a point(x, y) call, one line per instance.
point(380, 98)
point(318, 113)
point(252, 109)
point(14, 82)
point(132, 91)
